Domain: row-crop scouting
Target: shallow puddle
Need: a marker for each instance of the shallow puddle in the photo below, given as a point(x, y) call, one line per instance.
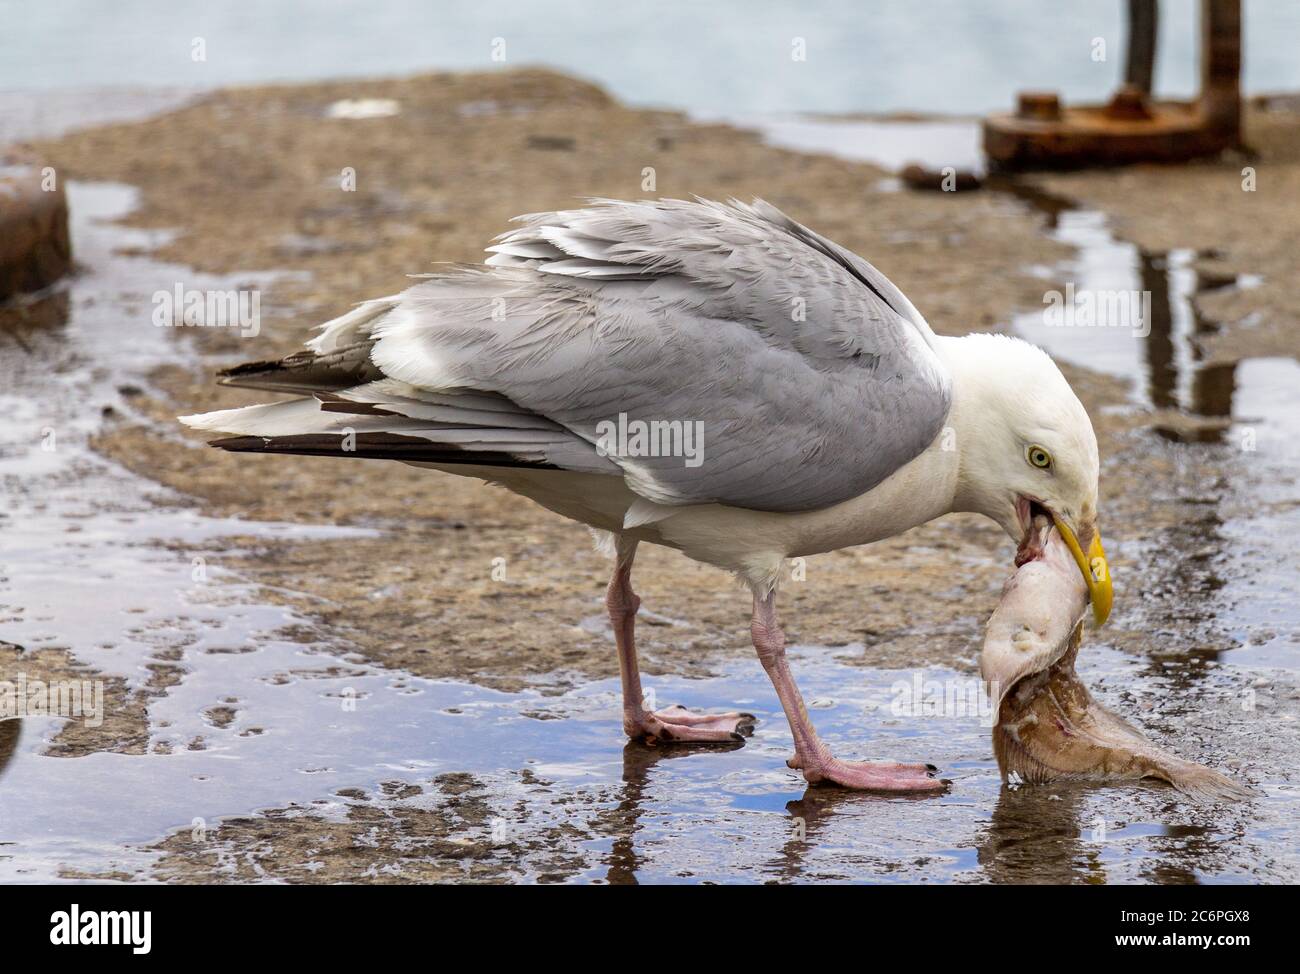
point(556, 768)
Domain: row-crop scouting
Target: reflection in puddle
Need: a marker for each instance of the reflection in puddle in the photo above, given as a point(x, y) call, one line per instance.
point(1144, 324)
point(1179, 377)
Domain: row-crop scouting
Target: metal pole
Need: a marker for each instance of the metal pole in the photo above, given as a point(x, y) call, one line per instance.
point(1143, 23)
point(1221, 67)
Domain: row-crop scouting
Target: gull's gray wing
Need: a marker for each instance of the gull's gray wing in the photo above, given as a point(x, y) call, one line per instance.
point(813, 377)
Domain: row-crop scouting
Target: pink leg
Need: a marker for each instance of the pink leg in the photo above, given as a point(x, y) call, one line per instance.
point(675, 723)
point(811, 755)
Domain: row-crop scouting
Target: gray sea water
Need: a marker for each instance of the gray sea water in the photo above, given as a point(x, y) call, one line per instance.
point(717, 56)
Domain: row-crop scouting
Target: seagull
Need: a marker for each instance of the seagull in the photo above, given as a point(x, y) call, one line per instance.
point(712, 377)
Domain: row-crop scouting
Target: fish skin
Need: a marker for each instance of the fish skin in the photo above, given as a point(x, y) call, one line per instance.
point(1048, 727)
point(1029, 630)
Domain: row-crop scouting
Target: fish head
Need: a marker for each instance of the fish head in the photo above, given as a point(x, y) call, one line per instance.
point(1041, 604)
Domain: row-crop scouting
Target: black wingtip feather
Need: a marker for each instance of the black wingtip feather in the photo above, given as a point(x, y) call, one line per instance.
point(374, 446)
point(304, 372)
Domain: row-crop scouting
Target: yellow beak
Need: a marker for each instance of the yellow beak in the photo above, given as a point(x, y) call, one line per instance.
point(1095, 570)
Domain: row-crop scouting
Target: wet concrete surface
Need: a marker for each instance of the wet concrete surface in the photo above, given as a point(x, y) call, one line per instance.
point(245, 741)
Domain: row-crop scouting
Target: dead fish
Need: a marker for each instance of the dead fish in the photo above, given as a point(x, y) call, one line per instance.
point(1042, 602)
point(1047, 726)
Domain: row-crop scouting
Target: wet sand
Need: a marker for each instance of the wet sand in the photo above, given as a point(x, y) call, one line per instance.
point(245, 183)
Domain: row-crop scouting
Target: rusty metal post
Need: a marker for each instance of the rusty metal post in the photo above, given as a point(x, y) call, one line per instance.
point(1221, 68)
point(1044, 134)
point(1143, 26)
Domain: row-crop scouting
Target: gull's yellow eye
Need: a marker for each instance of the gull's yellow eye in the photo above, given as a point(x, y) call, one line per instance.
point(1038, 457)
